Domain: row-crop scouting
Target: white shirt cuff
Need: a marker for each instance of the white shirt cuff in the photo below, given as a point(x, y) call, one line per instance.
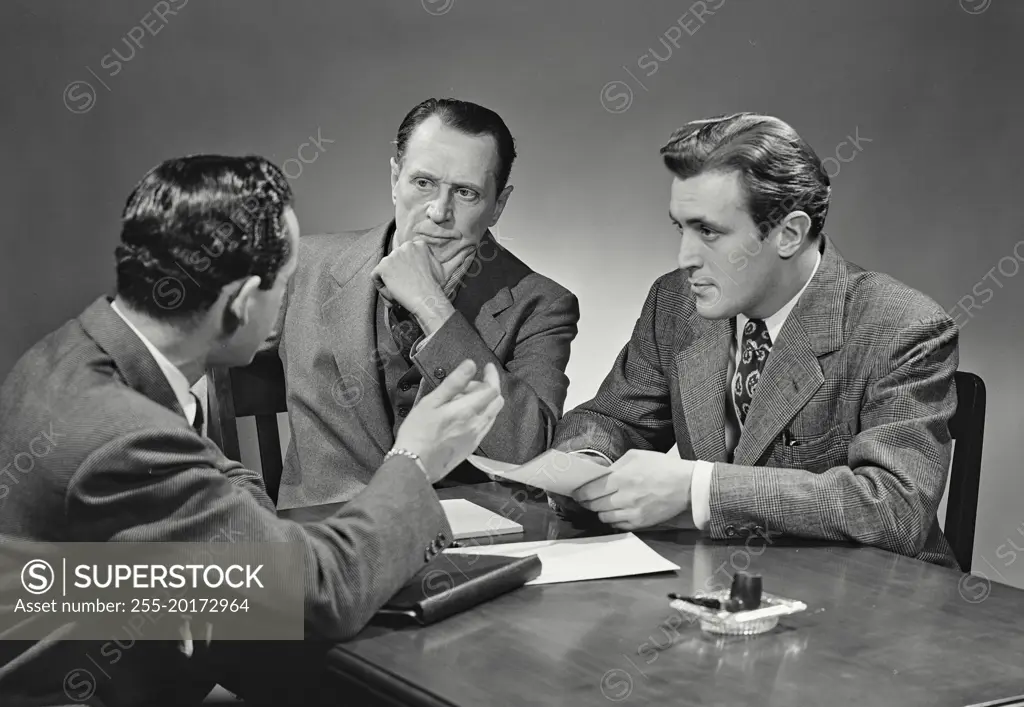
point(593, 452)
point(700, 493)
point(420, 344)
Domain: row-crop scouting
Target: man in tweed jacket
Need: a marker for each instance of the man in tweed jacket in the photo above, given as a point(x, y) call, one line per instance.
point(100, 442)
point(375, 319)
point(808, 397)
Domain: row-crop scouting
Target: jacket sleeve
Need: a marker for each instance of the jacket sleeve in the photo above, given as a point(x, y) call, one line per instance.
point(632, 408)
point(533, 380)
point(160, 485)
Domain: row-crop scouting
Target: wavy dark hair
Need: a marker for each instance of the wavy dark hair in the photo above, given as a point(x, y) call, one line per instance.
point(195, 224)
point(466, 117)
point(781, 173)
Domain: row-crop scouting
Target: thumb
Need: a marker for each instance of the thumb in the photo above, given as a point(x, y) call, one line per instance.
point(454, 384)
point(491, 377)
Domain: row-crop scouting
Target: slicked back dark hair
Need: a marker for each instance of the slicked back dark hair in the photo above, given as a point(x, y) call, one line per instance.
point(780, 172)
point(195, 224)
point(466, 117)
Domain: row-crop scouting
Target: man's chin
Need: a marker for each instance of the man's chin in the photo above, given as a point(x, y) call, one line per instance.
point(713, 310)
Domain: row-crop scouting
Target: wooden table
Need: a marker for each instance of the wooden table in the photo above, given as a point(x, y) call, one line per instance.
point(880, 629)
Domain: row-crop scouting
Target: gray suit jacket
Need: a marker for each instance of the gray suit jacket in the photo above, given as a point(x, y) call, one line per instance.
point(119, 462)
point(337, 406)
point(847, 435)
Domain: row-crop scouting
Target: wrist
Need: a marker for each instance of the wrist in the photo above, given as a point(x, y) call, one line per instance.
point(433, 314)
point(402, 452)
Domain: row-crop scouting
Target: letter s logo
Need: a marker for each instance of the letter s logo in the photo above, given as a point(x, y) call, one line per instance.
point(37, 576)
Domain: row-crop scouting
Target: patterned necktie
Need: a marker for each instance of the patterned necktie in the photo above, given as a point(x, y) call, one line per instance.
point(197, 423)
point(755, 347)
point(404, 330)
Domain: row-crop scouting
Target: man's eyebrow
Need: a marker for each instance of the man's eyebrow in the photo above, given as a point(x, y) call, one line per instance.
point(699, 221)
point(458, 185)
point(420, 172)
point(468, 185)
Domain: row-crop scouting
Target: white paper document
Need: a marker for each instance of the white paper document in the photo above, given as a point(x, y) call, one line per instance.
point(577, 559)
point(469, 520)
point(554, 471)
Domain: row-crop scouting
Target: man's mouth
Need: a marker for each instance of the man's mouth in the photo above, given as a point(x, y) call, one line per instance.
point(433, 236)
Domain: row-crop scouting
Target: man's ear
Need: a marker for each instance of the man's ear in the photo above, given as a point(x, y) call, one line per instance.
point(792, 233)
point(499, 204)
point(239, 306)
point(396, 169)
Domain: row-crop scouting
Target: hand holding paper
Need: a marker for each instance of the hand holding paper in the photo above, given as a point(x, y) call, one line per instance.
point(641, 489)
point(644, 489)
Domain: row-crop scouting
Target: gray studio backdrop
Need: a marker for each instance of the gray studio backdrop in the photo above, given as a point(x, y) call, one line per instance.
point(915, 105)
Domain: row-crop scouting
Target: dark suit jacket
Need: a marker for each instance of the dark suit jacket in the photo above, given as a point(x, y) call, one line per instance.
point(125, 465)
point(339, 412)
point(847, 435)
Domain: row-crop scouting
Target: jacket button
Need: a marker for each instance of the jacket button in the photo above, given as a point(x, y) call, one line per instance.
point(403, 410)
point(405, 387)
point(440, 373)
point(730, 530)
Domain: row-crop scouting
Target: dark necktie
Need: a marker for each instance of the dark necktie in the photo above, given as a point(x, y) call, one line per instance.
point(404, 330)
point(197, 423)
point(755, 347)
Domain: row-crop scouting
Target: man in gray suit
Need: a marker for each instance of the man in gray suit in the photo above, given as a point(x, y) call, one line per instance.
point(375, 319)
point(207, 247)
point(807, 396)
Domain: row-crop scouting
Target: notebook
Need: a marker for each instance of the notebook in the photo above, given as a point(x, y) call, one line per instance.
point(450, 584)
point(468, 520)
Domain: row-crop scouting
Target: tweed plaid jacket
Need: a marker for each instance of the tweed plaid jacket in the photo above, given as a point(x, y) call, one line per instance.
point(114, 460)
point(338, 406)
point(847, 435)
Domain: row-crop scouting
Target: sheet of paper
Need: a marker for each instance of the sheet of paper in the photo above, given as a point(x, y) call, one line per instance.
point(554, 471)
point(468, 520)
point(577, 559)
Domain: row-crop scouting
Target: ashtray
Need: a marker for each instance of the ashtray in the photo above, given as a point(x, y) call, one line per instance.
point(739, 623)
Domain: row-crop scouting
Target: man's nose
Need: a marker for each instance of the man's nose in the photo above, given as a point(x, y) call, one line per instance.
point(439, 209)
point(689, 253)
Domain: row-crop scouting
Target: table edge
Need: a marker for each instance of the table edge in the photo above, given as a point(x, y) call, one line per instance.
point(348, 666)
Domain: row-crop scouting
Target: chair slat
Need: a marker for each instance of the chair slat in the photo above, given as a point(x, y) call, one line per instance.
point(967, 427)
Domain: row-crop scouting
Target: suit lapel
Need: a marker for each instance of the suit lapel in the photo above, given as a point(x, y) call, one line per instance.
point(792, 374)
point(489, 328)
point(352, 311)
point(702, 368)
point(486, 290)
point(131, 357)
point(790, 377)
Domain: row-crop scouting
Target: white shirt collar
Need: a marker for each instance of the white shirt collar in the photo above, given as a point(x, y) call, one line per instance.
point(175, 378)
point(775, 322)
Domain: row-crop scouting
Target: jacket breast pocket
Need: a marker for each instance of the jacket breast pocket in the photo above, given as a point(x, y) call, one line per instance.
point(818, 453)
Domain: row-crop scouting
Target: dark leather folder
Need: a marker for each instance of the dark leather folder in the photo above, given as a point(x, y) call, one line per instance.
point(452, 583)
